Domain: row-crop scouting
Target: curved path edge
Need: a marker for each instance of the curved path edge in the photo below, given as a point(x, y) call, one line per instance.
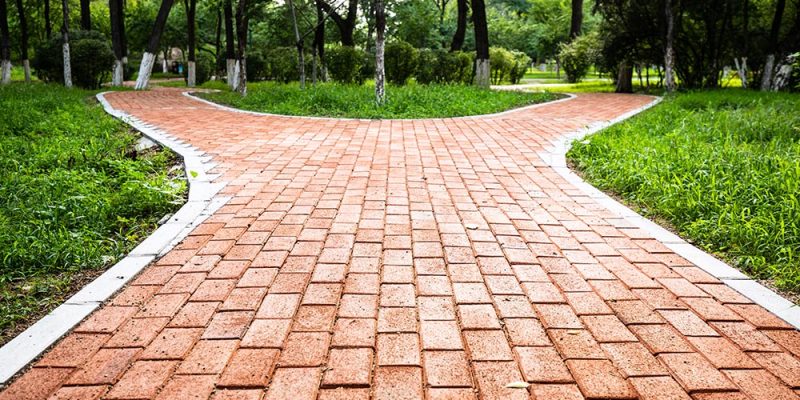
point(201, 203)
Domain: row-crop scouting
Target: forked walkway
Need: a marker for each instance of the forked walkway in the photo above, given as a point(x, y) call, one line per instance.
point(395, 259)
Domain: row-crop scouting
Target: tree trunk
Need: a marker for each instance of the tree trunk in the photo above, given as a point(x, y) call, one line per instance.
point(86, 15)
point(191, 73)
point(218, 36)
point(116, 17)
point(769, 65)
point(48, 27)
point(230, 51)
point(65, 45)
point(23, 43)
point(669, 52)
point(5, 46)
point(149, 56)
point(345, 24)
point(380, 41)
point(625, 78)
point(461, 25)
point(577, 19)
point(301, 61)
point(319, 40)
point(241, 36)
point(482, 66)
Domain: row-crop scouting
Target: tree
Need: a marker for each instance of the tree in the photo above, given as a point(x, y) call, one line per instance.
point(669, 52)
point(319, 42)
point(301, 62)
point(149, 56)
point(577, 19)
point(380, 41)
point(241, 38)
point(230, 52)
point(86, 15)
point(769, 64)
point(481, 43)
point(23, 42)
point(5, 46)
point(117, 17)
point(461, 25)
point(48, 27)
point(65, 43)
point(346, 24)
point(191, 10)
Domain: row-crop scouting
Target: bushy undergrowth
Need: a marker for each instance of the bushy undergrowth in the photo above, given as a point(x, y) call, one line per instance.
point(409, 101)
point(723, 167)
point(72, 195)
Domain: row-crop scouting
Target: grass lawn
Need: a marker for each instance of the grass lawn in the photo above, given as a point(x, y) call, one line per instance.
point(722, 167)
point(351, 101)
point(74, 196)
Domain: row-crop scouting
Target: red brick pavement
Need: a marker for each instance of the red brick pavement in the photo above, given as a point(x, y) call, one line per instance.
point(398, 259)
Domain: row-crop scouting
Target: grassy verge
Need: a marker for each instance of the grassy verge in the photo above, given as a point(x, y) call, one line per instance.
point(74, 196)
point(410, 101)
point(723, 167)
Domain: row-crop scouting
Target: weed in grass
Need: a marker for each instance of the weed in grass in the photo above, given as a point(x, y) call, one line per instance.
point(351, 101)
point(723, 167)
point(74, 196)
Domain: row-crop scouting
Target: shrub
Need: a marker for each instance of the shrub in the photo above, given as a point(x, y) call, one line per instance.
point(282, 64)
point(401, 62)
point(426, 66)
point(367, 70)
point(345, 64)
point(441, 66)
point(521, 63)
point(91, 59)
point(577, 56)
point(256, 65)
point(204, 64)
point(501, 61)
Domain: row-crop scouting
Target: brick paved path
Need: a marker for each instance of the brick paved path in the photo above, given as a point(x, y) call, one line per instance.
point(404, 259)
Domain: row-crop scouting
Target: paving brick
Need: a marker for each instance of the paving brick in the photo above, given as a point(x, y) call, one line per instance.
point(695, 373)
point(398, 349)
point(393, 295)
point(294, 384)
point(599, 379)
point(237, 394)
point(607, 328)
point(142, 380)
point(243, 299)
point(478, 316)
point(348, 367)
point(576, 343)
point(256, 277)
point(514, 307)
point(558, 316)
point(493, 377)
point(760, 384)
point(228, 325)
point(354, 332)
point(397, 320)
point(760, 317)
point(436, 308)
point(75, 393)
point(542, 365)
point(782, 365)
point(249, 368)
point(451, 394)
point(556, 391)
point(587, 303)
point(746, 336)
point(73, 350)
point(104, 367)
point(447, 369)
point(487, 345)
point(171, 344)
point(187, 387)
point(194, 315)
point(658, 387)
point(163, 305)
point(278, 305)
point(398, 383)
point(106, 319)
point(38, 383)
point(633, 359)
point(722, 353)
point(208, 357)
point(440, 335)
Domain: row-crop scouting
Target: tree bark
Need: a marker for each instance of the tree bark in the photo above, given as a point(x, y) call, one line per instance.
point(86, 15)
point(461, 25)
point(23, 43)
point(482, 65)
point(669, 52)
point(380, 41)
point(319, 39)
point(48, 27)
point(65, 44)
point(191, 11)
point(148, 58)
point(769, 65)
point(5, 46)
point(230, 51)
point(624, 78)
point(577, 19)
point(345, 24)
point(117, 18)
point(301, 61)
point(241, 36)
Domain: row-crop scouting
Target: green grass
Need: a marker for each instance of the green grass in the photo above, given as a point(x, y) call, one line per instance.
point(722, 167)
point(74, 195)
point(410, 101)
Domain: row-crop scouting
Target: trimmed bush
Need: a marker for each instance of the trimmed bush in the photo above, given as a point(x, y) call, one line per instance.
point(426, 66)
point(501, 61)
point(440, 66)
point(282, 64)
point(91, 59)
point(345, 64)
point(521, 63)
point(577, 56)
point(256, 65)
point(401, 62)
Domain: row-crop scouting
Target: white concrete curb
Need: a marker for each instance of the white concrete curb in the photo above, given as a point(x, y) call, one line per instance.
point(28, 345)
point(758, 293)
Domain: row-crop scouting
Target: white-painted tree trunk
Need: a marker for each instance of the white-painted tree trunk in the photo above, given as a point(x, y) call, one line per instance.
point(380, 71)
point(782, 77)
point(769, 67)
point(482, 70)
point(235, 80)
point(117, 73)
point(669, 52)
point(145, 69)
point(67, 64)
point(241, 77)
point(5, 72)
point(26, 68)
point(191, 74)
point(230, 69)
point(741, 70)
point(164, 64)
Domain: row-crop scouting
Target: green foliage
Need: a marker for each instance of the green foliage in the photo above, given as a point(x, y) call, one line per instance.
point(73, 194)
point(91, 59)
point(401, 62)
point(282, 64)
point(204, 67)
point(440, 66)
point(345, 63)
point(577, 56)
point(426, 66)
point(722, 167)
point(521, 64)
point(502, 62)
point(409, 101)
point(256, 65)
